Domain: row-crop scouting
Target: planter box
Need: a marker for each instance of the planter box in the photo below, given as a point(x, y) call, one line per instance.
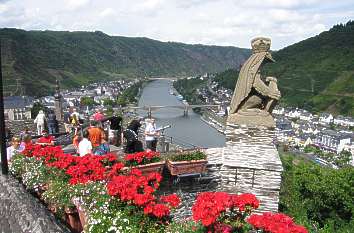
point(82, 213)
point(73, 219)
point(186, 167)
point(151, 167)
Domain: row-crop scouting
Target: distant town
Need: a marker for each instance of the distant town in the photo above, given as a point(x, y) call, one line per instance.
point(296, 129)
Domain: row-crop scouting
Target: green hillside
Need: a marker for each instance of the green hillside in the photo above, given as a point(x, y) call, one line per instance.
point(316, 74)
point(32, 60)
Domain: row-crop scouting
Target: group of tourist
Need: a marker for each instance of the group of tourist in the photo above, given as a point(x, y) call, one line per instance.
point(93, 139)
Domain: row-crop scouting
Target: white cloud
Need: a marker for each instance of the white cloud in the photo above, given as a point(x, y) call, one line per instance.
point(220, 22)
point(76, 4)
point(3, 8)
point(150, 4)
point(107, 12)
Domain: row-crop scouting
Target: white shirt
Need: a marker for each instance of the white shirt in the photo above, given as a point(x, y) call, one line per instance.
point(150, 129)
point(85, 147)
point(40, 119)
point(11, 151)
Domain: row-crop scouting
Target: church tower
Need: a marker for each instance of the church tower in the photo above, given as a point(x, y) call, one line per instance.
point(58, 102)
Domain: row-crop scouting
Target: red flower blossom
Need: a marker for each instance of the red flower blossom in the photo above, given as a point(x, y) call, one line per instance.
point(160, 210)
point(275, 223)
point(210, 205)
point(140, 158)
point(172, 200)
point(243, 200)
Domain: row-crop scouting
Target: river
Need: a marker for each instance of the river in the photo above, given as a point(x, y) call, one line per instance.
point(185, 130)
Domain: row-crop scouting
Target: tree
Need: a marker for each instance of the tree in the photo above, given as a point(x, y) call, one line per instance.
point(321, 198)
point(109, 111)
point(35, 109)
point(108, 102)
point(87, 101)
point(122, 101)
point(343, 158)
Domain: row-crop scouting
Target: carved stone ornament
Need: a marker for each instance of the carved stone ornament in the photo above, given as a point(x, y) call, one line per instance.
point(255, 97)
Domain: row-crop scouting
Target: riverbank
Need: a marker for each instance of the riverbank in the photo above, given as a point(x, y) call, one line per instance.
point(220, 127)
point(213, 120)
point(206, 115)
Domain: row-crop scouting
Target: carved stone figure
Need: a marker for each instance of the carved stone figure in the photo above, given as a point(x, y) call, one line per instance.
point(255, 97)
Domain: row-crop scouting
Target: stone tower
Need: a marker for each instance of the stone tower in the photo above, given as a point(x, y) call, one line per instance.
point(58, 102)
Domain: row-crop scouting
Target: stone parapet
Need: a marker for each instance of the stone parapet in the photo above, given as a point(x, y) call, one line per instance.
point(22, 212)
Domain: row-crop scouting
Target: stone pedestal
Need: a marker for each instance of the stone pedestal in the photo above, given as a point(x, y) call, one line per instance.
point(58, 109)
point(249, 163)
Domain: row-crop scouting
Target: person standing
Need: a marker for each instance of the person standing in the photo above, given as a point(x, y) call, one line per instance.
point(115, 130)
point(98, 116)
point(131, 136)
point(85, 146)
point(40, 121)
point(52, 122)
point(151, 134)
point(75, 120)
point(95, 134)
point(67, 120)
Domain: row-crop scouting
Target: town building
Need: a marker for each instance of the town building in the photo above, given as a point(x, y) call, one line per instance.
point(17, 107)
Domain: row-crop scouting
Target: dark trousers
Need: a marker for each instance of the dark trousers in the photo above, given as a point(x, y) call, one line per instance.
point(151, 145)
point(133, 146)
point(51, 128)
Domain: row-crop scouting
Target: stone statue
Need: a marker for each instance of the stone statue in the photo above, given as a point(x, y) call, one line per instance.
point(254, 98)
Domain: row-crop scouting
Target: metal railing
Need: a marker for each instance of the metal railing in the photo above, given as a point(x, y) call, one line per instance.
point(166, 142)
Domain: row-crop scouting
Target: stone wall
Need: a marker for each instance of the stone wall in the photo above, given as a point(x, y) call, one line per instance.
point(18, 126)
point(249, 163)
point(22, 212)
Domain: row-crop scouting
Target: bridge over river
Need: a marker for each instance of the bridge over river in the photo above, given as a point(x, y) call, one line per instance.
point(184, 107)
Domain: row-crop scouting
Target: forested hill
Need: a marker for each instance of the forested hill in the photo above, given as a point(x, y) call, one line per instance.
point(316, 74)
point(37, 58)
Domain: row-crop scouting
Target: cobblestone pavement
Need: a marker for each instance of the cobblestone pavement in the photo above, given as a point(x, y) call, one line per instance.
point(20, 212)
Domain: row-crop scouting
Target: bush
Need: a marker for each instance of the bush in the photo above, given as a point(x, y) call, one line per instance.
point(319, 197)
point(196, 155)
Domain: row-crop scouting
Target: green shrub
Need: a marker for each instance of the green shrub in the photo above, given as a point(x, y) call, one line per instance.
point(17, 165)
point(187, 156)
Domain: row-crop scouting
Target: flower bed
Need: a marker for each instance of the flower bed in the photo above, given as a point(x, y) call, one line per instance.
point(117, 201)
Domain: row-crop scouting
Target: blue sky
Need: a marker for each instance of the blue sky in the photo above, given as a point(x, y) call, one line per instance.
point(212, 22)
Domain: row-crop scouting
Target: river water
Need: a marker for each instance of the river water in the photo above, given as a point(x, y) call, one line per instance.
point(185, 130)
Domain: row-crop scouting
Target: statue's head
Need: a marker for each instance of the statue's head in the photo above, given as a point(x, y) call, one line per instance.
point(262, 45)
